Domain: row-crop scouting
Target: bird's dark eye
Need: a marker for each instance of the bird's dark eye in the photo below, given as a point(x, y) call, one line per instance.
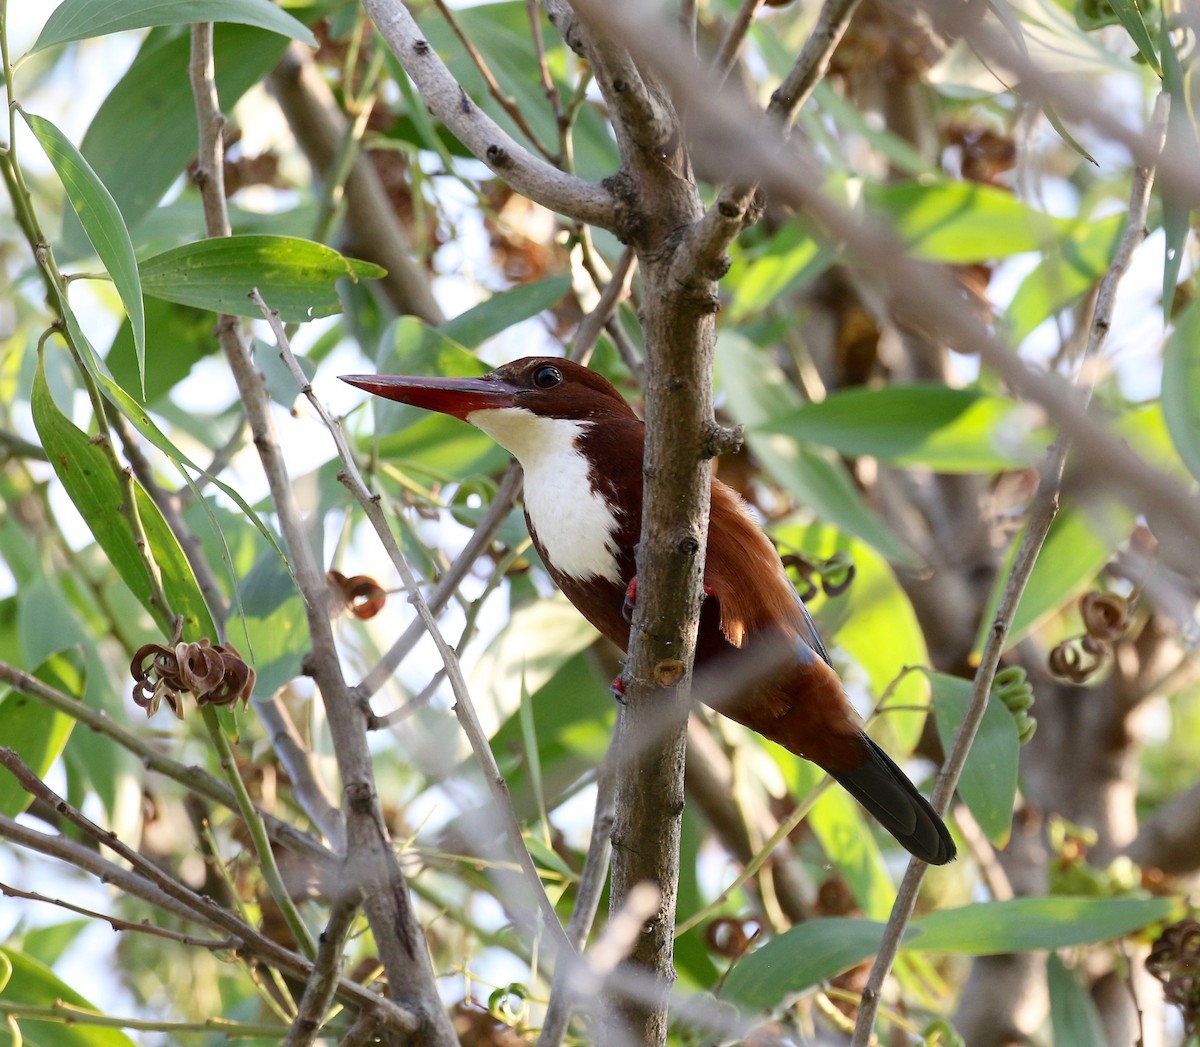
point(547, 376)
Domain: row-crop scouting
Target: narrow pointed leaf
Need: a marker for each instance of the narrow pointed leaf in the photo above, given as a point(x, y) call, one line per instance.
point(35, 985)
point(39, 734)
point(295, 277)
point(101, 220)
point(83, 19)
point(1073, 1015)
point(1026, 924)
point(1130, 15)
point(819, 481)
point(88, 477)
point(1181, 149)
point(500, 312)
point(800, 958)
point(1181, 387)
point(989, 778)
point(948, 430)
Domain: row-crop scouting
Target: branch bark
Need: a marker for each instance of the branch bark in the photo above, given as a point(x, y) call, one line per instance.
point(573, 197)
point(370, 858)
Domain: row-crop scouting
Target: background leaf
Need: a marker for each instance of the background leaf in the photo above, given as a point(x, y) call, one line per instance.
point(80, 19)
point(1181, 387)
point(798, 959)
point(102, 221)
point(297, 278)
point(1028, 924)
point(87, 475)
point(38, 734)
point(758, 392)
point(944, 429)
point(34, 984)
point(988, 784)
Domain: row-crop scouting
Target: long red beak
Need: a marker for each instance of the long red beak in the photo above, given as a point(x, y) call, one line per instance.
point(453, 396)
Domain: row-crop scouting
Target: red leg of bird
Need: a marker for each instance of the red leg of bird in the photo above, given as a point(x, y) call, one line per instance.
point(631, 598)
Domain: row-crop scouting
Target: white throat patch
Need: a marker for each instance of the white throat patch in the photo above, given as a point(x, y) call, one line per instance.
point(574, 524)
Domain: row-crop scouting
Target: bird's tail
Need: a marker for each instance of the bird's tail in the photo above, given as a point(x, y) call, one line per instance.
point(885, 791)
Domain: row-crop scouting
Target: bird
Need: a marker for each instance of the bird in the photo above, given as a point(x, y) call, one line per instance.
point(759, 658)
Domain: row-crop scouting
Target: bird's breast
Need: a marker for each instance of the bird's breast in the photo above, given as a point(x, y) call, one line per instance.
point(572, 523)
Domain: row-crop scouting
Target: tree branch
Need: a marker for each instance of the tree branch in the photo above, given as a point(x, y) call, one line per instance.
point(568, 195)
point(1042, 514)
point(464, 708)
point(398, 936)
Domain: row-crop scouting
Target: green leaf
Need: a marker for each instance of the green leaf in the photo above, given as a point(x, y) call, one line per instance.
point(574, 714)
point(295, 277)
point(35, 985)
point(82, 19)
point(1066, 271)
point(948, 430)
point(963, 222)
point(841, 829)
point(273, 629)
point(989, 778)
point(101, 220)
point(1181, 387)
point(1181, 150)
point(39, 734)
point(87, 474)
point(1073, 1015)
point(155, 96)
point(501, 311)
point(1080, 541)
point(537, 641)
point(757, 392)
point(1027, 924)
point(179, 336)
point(800, 958)
point(788, 260)
point(1094, 14)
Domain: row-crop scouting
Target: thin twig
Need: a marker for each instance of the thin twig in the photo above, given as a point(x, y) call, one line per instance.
point(524, 172)
point(735, 36)
point(505, 102)
point(192, 778)
point(561, 119)
point(501, 505)
point(464, 707)
point(197, 910)
point(322, 982)
point(118, 924)
point(299, 764)
point(734, 206)
point(587, 902)
point(615, 292)
point(1044, 509)
point(398, 936)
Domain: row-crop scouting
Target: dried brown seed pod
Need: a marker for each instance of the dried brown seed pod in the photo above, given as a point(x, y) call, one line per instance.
point(1105, 615)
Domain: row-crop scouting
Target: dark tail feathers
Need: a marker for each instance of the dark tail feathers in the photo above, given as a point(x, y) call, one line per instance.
point(884, 790)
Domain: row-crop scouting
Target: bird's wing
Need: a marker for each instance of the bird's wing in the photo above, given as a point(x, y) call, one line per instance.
point(809, 634)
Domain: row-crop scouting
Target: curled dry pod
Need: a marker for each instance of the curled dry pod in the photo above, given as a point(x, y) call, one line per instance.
point(1071, 662)
point(1105, 615)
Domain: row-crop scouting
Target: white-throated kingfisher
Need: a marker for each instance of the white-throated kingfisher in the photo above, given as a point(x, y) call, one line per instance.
point(580, 446)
